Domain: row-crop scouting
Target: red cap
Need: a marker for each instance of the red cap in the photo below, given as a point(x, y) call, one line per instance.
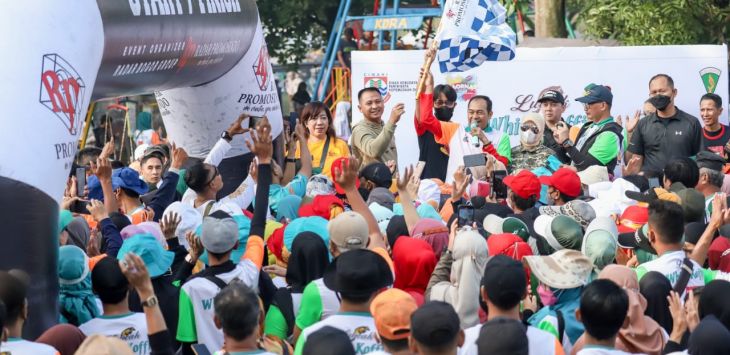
point(524, 184)
point(718, 256)
point(633, 218)
point(338, 164)
point(508, 244)
point(564, 180)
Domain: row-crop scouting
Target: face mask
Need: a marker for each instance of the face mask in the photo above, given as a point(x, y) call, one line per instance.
point(547, 296)
point(660, 102)
point(528, 137)
point(443, 113)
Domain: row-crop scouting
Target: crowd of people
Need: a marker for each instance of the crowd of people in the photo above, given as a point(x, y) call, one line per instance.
point(608, 238)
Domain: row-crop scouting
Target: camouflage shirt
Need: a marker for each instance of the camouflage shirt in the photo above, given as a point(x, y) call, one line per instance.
point(529, 158)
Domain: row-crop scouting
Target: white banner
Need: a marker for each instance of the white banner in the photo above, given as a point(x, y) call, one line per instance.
point(195, 117)
point(52, 51)
point(514, 86)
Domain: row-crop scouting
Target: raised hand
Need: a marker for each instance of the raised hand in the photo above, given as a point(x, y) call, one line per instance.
point(253, 170)
point(97, 210)
point(235, 128)
point(169, 224)
point(195, 246)
point(135, 271)
point(93, 246)
point(632, 122)
point(413, 184)
point(561, 133)
point(679, 317)
point(397, 112)
point(346, 174)
point(260, 143)
point(693, 316)
point(102, 169)
point(633, 167)
point(275, 270)
point(403, 180)
point(179, 157)
point(108, 149)
point(461, 182)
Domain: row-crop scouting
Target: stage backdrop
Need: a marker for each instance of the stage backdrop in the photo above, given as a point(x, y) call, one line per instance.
point(514, 86)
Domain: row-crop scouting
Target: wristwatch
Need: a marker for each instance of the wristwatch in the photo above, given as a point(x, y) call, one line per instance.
point(227, 136)
point(150, 302)
point(290, 160)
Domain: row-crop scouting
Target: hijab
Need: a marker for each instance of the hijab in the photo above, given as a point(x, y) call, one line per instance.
point(715, 300)
point(718, 256)
point(642, 334)
point(65, 338)
point(414, 261)
point(432, 232)
point(396, 228)
point(710, 338)
point(470, 255)
point(289, 208)
point(76, 300)
point(539, 121)
point(307, 262)
point(78, 232)
point(381, 196)
point(655, 288)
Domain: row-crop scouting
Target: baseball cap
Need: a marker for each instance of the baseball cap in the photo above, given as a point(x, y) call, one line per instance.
point(638, 239)
point(503, 335)
point(524, 184)
point(709, 160)
point(155, 151)
point(656, 193)
point(219, 235)
point(392, 310)
point(156, 259)
point(579, 210)
point(435, 323)
point(494, 224)
point(564, 180)
point(633, 218)
point(508, 244)
point(718, 256)
point(593, 174)
point(599, 242)
point(552, 95)
point(358, 272)
point(338, 164)
point(693, 204)
point(562, 269)
point(378, 173)
point(596, 93)
point(348, 231)
point(561, 232)
point(504, 280)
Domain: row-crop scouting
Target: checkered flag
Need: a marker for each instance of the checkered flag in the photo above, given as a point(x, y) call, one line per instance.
point(472, 32)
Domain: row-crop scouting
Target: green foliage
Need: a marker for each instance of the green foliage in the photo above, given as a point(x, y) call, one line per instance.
point(654, 22)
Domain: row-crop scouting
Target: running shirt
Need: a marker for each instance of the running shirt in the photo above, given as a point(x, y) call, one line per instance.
point(716, 141)
point(360, 328)
point(275, 323)
point(607, 145)
point(17, 346)
point(317, 303)
point(195, 323)
point(670, 265)
point(461, 145)
point(130, 328)
point(538, 342)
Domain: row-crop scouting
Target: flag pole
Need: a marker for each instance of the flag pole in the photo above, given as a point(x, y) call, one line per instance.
point(427, 64)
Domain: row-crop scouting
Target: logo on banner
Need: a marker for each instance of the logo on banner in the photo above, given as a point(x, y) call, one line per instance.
point(261, 68)
point(710, 77)
point(62, 91)
point(380, 82)
point(465, 86)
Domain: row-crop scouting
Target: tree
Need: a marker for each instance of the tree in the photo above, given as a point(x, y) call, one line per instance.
point(655, 22)
point(550, 19)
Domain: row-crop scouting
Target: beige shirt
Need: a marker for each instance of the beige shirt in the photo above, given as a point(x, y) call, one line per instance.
point(373, 142)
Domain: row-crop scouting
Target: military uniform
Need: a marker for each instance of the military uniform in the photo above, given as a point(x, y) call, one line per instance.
point(529, 158)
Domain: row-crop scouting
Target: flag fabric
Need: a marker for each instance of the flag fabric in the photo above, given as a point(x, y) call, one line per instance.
point(472, 32)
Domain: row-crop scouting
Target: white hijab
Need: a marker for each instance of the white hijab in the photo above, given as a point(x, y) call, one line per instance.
point(462, 291)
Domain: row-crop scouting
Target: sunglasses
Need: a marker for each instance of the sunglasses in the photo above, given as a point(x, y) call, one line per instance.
point(215, 174)
point(526, 127)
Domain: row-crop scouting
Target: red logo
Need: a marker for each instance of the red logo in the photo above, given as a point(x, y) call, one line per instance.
point(380, 82)
point(450, 14)
point(261, 68)
point(188, 52)
point(62, 91)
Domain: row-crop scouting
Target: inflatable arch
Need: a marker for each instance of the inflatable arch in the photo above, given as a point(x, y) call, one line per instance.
point(205, 60)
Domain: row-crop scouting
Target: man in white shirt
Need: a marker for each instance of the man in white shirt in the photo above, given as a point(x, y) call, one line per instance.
point(13, 292)
point(112, 287)
point(504, 285)
point(603, 309)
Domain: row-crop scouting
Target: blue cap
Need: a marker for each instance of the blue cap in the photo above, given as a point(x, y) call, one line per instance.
point(596, 93)
point(146, 246)
point(128, 178)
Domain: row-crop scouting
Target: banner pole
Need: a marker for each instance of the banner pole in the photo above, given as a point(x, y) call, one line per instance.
point(426, 66)
point(87, 124)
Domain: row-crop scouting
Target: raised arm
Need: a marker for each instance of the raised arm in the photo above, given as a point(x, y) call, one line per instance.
point(406, 186)
point(103, 171)
point(345, 176)
point(375, 146)
point(261, 146)
point(720, 216)
point(221, 148)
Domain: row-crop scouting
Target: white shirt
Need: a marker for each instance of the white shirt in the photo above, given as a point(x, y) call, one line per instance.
point(595, 350)
point(670, 265)
point(360, 328)
point(458, 148)
point(539, 341)
point(17, 346)
point(130, 327)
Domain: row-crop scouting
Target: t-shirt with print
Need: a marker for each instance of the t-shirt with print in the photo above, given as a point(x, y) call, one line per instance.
point(130, 328)
point(337, 149)
point(670, 265)
point(255, 352)
point(195, 323)
point(538, 342)
point(17, 346)
point(716, 141)
point(360, 328)
point(318, 302)
point(601, 350)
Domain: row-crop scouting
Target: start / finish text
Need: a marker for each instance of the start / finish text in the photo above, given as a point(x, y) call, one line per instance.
point(182, 7)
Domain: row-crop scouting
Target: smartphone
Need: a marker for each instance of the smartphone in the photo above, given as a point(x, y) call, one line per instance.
point(484, 189)
point(253, 121)
point(498, 186)
point(200, 349)
point(465, 215)
point(79, 206)
point(293, 119)
point(475, 160)
point(81, 181)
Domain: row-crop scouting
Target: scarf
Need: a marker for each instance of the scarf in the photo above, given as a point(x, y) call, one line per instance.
point(396, 228)
point(539, 121)
point(432, 232)
point(414, 261)
point(77, 302)
point(78, 233)
point(381, 196)
point(655, 288)
point(307, 262)
point(715, 301)
point(642, 334)
point(710, 338)
point(568, 302)
point(289, 208)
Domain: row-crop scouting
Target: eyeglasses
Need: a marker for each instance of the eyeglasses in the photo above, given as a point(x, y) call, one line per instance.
point(588, 105)
point(524, 128)
point(215, 174)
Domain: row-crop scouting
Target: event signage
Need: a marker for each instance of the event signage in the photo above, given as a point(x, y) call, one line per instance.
point(392, 23)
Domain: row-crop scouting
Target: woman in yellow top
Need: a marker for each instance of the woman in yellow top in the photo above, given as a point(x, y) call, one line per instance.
point(323, 144)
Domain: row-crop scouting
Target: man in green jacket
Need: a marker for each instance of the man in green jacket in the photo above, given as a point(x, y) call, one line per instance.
point(372, 140)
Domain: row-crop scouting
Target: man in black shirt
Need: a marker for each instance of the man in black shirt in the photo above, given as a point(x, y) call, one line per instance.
point(715, 135)
point(667, 134)
point(347, 45)
point(552, 106)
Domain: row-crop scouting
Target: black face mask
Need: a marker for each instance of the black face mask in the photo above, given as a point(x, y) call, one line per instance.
point(660, 102)
point(443, 113)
